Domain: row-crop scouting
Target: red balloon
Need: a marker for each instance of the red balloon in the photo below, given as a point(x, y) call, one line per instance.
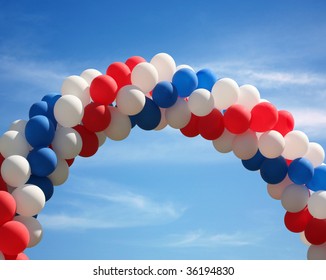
point(264, 117)
point(14, 238)
point(285, 122)
point(19, 257)
point(96, 117)
point(192, 128)
point(7, 207)
point(237, 119)
point(297, 222)
point(70, 161)
point(131, 62)
point(90, 141)
point(211, 126)
point(120, 72)
point(316, 231)
point(103, 89)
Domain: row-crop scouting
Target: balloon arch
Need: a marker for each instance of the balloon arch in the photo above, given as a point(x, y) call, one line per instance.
point(36, 154)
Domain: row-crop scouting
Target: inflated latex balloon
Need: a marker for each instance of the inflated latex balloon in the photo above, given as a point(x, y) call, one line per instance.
point(245, 145)
point(15, 170)
point(96, 117)
point(206, 79)
point(296, 144)
point(18, 125)
point(77, 86)
point(223, 144)
point(211, 126)
point(295, 198)
point(271, 144)
point(144, 76)
point(185, 81)
point(249, 96)
point(317, 252)
point(165, 94)
point(7, 207)
point(44, 183)
point(89, 75)
point(226, 93)
point(192, 127)
point(201, 102)
point(315, 231)
point(254, 163)
point(274, 170)
point(120, 125)
point(318, 181)
point(103, 90)
point(301, 171)
point(315, 154)
point(162, 124)
point(120, 72)
point(285, 122)
point(60, 174)
point(101, 137)
point(317, 204)
point(264, 117)
point(130, 100)
point(276, 190)
point(178, 116)
point(13, 143)
point(165, 66)
point(149, 117)
point(131, 62)
point(297, 222)
point(89, 140)
point(237, 119)
point(34, 228)
point(42, 161)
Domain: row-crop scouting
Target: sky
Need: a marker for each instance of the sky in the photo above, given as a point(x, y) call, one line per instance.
point(159, 195)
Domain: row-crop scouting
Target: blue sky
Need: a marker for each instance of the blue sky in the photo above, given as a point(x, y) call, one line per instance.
point(160, 195)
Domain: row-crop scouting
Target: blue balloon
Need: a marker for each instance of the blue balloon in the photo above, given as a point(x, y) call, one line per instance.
point(301, 171)
point(51, 99)
point(274, 170)
point(186, 81)
point(165, 94)
point(39, 108)
point(39, 131)
point(44, 183)
point(133, 121)
point(150, 117)
point(254, 163)
point(318, 181)
point(206, 79)
point(42, 161)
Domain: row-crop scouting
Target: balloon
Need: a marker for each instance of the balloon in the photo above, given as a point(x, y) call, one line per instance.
point(296, 144)
point(276, 190)
point(317, 252)
point(285, 122)
point(317, 204)
point(14, 238)
point(249, 96)
point(13, 143)
point(163, 122)
point(315, 154)
point(34, 229)
point(185, 81)
point(165, 94)
point(184, 66)
point(60, 174)
point(178, 116)
point(201, 102)
point(144, 76)
point(254, 163)
point(20, 256)
point(150, 117)
point(90, 74)
point(297, 222)
point(237, 119)
point(206, 79)
point(223, 144)
point(295, 198)
point(89, 140)
point(51, 99)
point(120, 72)
point(7, 207)
point(15, 170)
point(301, 171)
point(44, 183)
point(39, 108)
point(68, 110)
point(165, 66)
point(18, 125)
point(67, 143)
point(315, 231)
point(96, 117)
point(42, 161)
point(245, 145)
point(70, 161)
point(131, 62)
point(304, 239)
point(39, 132)
point(103, 90)
point(273, 171)
point(318, 181)
point(225, 92)
point(271, 144)
point(192, 128)
point(130, 100)
point(77, 86)
point(211, 126)
point(101, 137)
point(120, 125)
point(30, 200)
point(264, 117)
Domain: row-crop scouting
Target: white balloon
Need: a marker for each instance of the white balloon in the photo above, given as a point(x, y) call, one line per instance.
point(178, 116)
point(15, 170)
point(163, 123)
point(317, 204)
point(68, 110)
point(89, 75)
point(19, 125)
point(13, 143)
point(144, 76)
point(181, 66)
point(67, 143)
point(201, 102)
point(223, 144)
point(120, 125)
point(249, 96)
point(296, 144)
point(30, 200)
point(317, 252)
point(34, 228)
point(295, 198)
point(60, 174)
point(101, 138)
point(130, 100)
point(245, 145)
point(304, 239)
point(225, 92)
point(276, 190)
point(165, 66)
point(315, 154)
point(77, 86)
point(271, 144)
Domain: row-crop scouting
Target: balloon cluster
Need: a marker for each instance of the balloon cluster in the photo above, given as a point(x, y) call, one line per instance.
point(36, 154)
